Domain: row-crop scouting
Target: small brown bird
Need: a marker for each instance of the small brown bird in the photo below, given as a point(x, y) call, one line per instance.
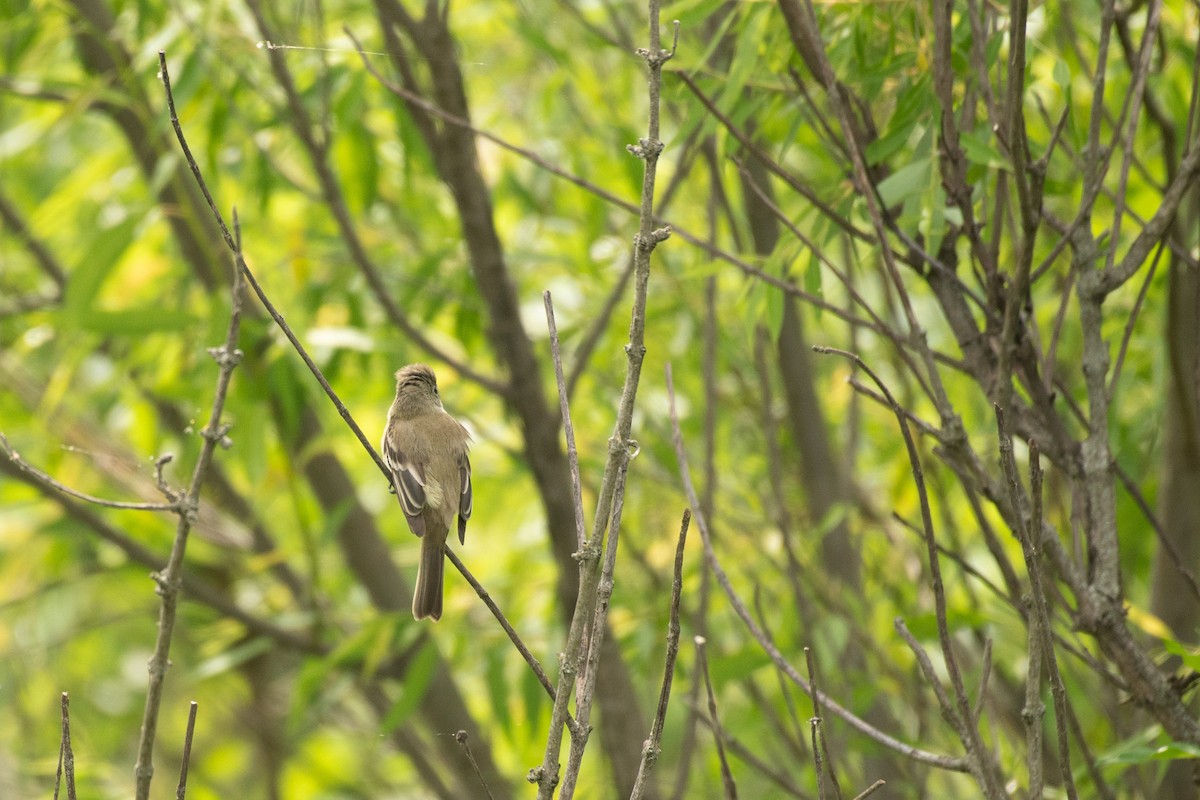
point(426, 450)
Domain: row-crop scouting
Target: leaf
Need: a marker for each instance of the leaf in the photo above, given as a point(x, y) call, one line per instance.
point(813, 283)
point(1138, 751)
point(977, 146)
point(412, 690)
point(134, 322)
point(1062, 74)
point(498, 688)
point(233, 657)
point(737, 665)
point(534, 699)
point(102, 257)
point(1190, 656)
point(908, 181)
point(882, 148)
point(1150, 623)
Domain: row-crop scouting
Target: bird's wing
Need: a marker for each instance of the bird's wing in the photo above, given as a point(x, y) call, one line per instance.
point(466, 498)
point(409, 480)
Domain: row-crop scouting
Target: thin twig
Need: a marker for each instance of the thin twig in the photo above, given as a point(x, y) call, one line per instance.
point(1042, 652)
point(819, 732)
point(1131, 321)
point(530, 659)
point(461, 738)
point(923, 756)
point(814, 725)
point(775, 471)
point(772, 770)
point(181, 790)
point(66, 756)
point(1058, 690)
point(585, 686)
point(583, 353)
point(41, 254)
point(194, 588)
point(170, 580)
point(983, 766)
point(791, 739)
point(599, 324)
point(718, 735)
point(1128, 123)
point(985, 660)
point(1166, 542)
point(620, 447)
point(926, 665)
point(870, 790)
point(564, 406)
point(652, 747)
point(46, 479)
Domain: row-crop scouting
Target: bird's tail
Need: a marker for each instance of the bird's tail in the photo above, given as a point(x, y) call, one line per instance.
point(427, 599)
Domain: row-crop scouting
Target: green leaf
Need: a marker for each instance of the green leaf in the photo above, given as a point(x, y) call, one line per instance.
point(416, 681)
point(1062, 74)
point(977, 146)
point(1189, 655)
point(233, 657)
point(534, 699)
point(738, 664)
point(813, 281)
point(102, 257)
point(884, 147)
point(498, 686)
point(134, 322)
point(1137, 750)
point(355, 154)
point(908, 181)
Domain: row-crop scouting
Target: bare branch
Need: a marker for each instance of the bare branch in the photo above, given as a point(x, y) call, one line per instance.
point(47, 480)
point(652, 748)
point(621, 446)
point(181, 790)
point(66, 756)
point(169, 580)
point(819, 745)
point(564, 407)
point(718, 735)
point(461, 738)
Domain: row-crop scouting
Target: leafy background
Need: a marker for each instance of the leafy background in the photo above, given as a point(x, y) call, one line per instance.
point(103, 368)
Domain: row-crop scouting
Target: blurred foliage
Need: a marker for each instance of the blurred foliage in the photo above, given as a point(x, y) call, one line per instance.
point(83, 379)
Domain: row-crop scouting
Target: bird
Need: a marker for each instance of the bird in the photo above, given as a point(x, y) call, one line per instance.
point(425, 450)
